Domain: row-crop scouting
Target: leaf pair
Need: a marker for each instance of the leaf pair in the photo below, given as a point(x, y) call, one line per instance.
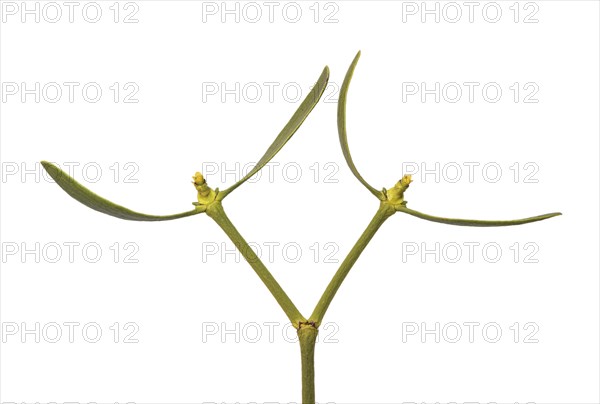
point(96, 202)
point(383, 195)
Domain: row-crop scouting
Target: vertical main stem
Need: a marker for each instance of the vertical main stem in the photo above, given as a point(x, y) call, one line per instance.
point(307, 335)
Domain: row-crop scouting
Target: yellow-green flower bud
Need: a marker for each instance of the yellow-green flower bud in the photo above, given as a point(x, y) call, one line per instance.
point(406, 180)
point(396, 194)
point(206, 194)
point(198, 179)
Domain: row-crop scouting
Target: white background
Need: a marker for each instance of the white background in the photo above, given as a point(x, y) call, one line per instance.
point(173, 293)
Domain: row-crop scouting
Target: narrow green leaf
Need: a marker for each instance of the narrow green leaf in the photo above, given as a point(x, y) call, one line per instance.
point(477, 223)
point(288, 131)
point(91, 200)
point(341, 122)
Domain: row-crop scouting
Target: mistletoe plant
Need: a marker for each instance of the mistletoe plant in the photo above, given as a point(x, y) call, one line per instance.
point(210, 202)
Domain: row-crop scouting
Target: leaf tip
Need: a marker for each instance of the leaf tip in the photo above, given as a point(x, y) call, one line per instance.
point(51, 169)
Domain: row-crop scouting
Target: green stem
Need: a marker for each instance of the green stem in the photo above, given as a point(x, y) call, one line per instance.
point(307, 335)
point(216, 212)
point(385, 210)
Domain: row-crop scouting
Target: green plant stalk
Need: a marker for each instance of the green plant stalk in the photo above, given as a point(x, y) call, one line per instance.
point(385, 211)
point(217, 213)
point(307, 330)
point(209, 201)
point(307, 335)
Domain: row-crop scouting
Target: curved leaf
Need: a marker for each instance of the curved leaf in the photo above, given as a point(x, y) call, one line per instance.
point(477, 223)
point(288, 131)
point(91, 200)
point(341, 122)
